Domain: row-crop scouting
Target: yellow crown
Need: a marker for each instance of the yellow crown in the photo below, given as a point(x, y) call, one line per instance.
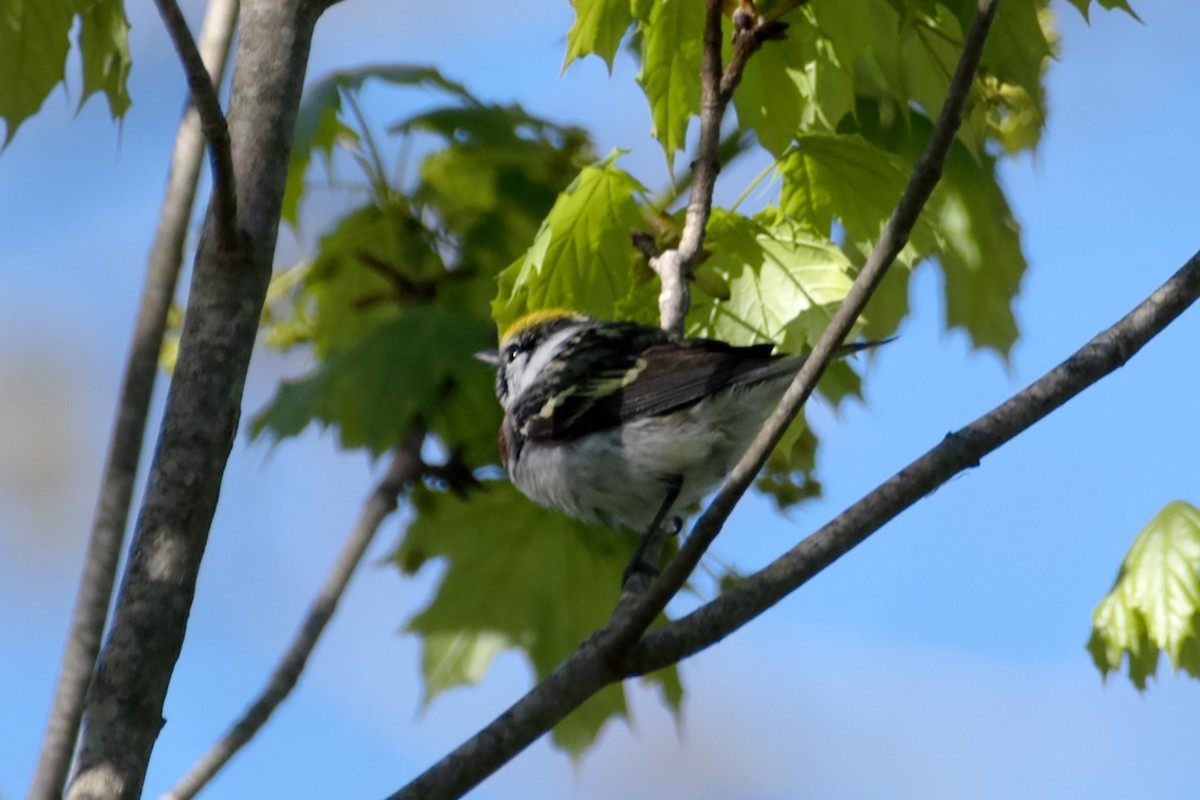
point(535, 318)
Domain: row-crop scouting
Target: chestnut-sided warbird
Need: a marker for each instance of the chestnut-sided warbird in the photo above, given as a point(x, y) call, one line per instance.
point(617, 423)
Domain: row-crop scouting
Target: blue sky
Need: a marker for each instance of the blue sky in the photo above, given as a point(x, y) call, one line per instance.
point(942, 659)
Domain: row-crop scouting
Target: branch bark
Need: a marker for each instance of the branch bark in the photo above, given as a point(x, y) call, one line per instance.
point(124, 451)
point(124, 710)
point(406, 467)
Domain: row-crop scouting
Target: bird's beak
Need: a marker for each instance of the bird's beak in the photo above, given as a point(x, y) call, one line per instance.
point(489, 357)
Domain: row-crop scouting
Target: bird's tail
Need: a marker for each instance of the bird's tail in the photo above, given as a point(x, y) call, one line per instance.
point(850, 348)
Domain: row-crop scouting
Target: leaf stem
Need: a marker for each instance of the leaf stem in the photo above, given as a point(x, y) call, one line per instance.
point(375, 169)
point(753, 185)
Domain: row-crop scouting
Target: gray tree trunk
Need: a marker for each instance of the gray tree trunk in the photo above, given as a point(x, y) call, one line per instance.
point(124, 710)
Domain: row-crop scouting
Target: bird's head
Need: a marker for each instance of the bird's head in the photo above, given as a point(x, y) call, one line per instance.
point(528, 347)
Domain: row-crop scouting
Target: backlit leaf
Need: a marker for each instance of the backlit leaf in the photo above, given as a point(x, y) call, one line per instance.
point(450, 660)
point(670, 76)
point(598, 29)
point(582, 257)
point(319, 124)
point(1154, 605)
point(783, 284)
point(979, 249)
point(854, 182)
point(376, 260)
point(775, 96)
point(1083, 5)
point(842, 178)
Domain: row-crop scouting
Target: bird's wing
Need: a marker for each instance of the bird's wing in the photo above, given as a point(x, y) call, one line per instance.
point(622, 372)
point(635, 373)
point(676, 375)
point(596, 364)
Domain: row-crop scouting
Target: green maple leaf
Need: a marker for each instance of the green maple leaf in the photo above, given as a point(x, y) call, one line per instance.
point(977, 243)
point(854, 181)
point(33, 55)
point(598, 29)
point(1083, 6)
point(319, 124)
point(775, 95)
point(582, 257)
point(781, 283)
point(843, 178)
point(670, 76)
point(517, 576)
point(104, 50)
point(418, 368)
point(1154, 604)
point(34, 42)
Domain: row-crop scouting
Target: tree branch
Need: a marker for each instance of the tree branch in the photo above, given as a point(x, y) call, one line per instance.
point(124, 707)
point(958, 451)
point(895, 234)
point(601, 660)
point(125, 447)
point(212, 121)
point(406, 467)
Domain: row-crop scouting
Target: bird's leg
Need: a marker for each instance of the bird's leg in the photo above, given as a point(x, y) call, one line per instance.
point(639, 564)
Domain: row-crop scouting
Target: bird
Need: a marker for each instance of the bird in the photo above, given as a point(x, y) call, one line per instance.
point(619, 424)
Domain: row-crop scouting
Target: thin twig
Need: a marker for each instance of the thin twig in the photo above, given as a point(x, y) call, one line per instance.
point(212, 121)
point(405, 468)
point(124, 451)
point(960, 450)
point(674, 266)
point(733, 146)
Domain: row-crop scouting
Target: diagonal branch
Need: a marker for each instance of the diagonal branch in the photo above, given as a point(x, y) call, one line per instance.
point(895, 234)
point(960, 450)
point(212, 121)
point(602, 659)
point(125, 447)
point(406, 467)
